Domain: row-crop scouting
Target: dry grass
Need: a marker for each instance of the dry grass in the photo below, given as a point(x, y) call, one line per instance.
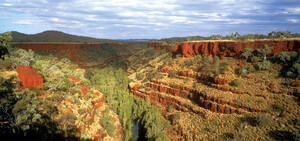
point(7, 74)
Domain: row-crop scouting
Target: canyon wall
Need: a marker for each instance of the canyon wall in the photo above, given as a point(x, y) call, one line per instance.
point(159, 46)
point(233, 49)
point(61, 46)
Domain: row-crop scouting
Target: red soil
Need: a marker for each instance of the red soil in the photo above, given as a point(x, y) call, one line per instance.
point(29, 77)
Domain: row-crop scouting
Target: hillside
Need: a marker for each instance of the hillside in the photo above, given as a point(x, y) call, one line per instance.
point(52, 99)
point(87, 55)
point(227, 97)
point(54, 36)
point(48, 98)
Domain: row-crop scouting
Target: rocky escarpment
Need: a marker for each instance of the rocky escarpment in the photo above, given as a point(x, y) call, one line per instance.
point(60, 46)
point(188, 99)
point(80, 53)
point(231, 48)
point(158, 46)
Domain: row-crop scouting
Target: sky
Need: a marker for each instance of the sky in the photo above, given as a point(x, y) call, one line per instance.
point(150, 19)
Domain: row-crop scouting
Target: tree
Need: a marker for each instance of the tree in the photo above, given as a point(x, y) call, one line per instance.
point(271, 34)
point(236, 35)
point(247, 52)
point(294, 71)
point(5, 38)
point(283, 57)
point(265, 50)
point(264, 65)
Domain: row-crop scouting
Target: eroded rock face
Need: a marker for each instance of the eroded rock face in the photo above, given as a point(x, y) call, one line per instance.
point(29, 77)
point(160, 46)
point(61, 46)
point(233, 49)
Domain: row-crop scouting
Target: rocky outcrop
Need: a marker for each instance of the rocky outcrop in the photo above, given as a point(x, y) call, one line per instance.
point(160, 46)
point(87, 120)
point(233, 49)
point(30, 77)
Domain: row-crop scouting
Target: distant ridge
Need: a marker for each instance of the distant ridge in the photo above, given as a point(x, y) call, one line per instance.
point(137, 40)
point(54, 36)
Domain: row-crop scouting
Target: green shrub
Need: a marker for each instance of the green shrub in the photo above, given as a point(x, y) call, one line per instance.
point(139, 76)
point(197, 59)
point(168, 61)
point(282, 57)
point(264, 65)
point(247, 52)
point(296, 136)
point(170, 109)
point(110, 128)
point(172, 74)
point(223, 67)
point(262, 120)
point(294, 71)
point(175, 117)
point(265, 50)
point(239, 136)
point(242, 71)
point(277, 108)
point(251, 69)
point(235, 82)
point(254, 59)
point(188, 62)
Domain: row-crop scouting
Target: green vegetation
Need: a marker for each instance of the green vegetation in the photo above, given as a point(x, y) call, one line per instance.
point(263, 65)
point(5, 38)
point(245, 70)
point(265, 51)
point(247, 52)
point(235, 36)
point(208, 65)
point(290, 62)
point(294, 71)
point(254, 59)
point(26, 113)
point(113, 84)
point(235, 82)
point(262, 120)
point(239, 136)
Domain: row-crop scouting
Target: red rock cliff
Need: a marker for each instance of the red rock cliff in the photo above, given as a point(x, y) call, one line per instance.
point(159, 46)
point(29, 77)
point(60, 46)
point(230, 49)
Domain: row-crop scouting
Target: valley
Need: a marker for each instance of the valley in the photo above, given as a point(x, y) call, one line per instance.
point(190, 90)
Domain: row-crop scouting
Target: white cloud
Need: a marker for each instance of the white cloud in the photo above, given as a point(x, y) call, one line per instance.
point(22, 22)
point(7, 4)
point(118, 17)
point(292, 11)
point(293, 20)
